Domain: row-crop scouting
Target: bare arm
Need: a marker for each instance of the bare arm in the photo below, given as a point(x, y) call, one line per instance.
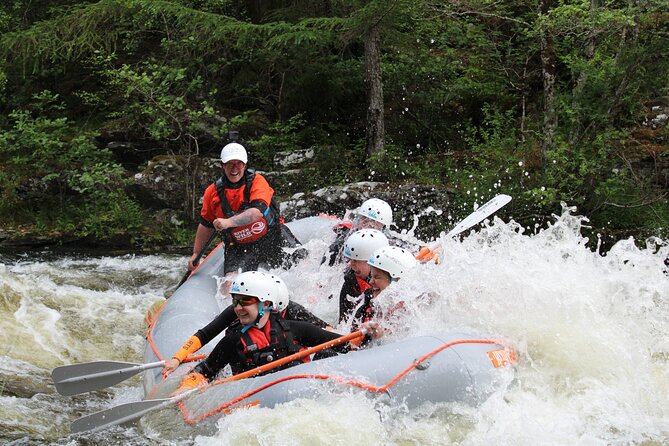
point(243, 218)
point(201, 236)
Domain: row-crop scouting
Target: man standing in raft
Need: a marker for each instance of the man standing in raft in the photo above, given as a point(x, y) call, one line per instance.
point(240, 205)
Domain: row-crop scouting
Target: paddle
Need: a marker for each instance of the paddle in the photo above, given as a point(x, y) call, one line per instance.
point(197, 259)
point(428, 253)
point(128, 412)
point(81, 378)
point(479, 214)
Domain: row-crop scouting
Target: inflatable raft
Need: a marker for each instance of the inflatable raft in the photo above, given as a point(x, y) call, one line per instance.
point(442, 367)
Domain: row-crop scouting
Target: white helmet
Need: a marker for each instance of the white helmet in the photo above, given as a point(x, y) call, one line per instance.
point(394, 260)
point(377, 210)
point(264, 286)
point(361, 244)
point(283, 296)
point(234, 151)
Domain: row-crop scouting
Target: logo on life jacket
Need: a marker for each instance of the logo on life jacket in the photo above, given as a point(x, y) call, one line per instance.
point(251, 232)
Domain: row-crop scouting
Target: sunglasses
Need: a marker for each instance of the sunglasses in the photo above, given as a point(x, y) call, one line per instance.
point(243, 301)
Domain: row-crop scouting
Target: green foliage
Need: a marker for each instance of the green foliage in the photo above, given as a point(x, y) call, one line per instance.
point(54, 176)
point(463, 90)
point(160, 102)
point(280, 137)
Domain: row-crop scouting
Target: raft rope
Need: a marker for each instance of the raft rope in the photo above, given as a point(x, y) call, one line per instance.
point(227, 406)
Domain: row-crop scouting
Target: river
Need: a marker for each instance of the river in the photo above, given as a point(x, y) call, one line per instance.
point(591, 330)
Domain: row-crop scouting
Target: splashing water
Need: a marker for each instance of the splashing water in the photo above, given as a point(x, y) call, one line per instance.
point(592, 332)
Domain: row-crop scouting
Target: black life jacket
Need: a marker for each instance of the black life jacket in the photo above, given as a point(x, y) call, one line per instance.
point(367, 311)
point(252, 232)
point(259, 346)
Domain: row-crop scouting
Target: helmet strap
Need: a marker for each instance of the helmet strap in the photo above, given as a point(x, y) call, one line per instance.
point(261, 313)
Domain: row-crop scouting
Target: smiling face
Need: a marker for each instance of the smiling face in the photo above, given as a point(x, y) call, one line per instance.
point(246, 308)
point(379, 281)
point(362, 222)
point(360, 267)
point(234, 170)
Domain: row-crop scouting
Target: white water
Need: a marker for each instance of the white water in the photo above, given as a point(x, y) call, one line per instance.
point(592, 332)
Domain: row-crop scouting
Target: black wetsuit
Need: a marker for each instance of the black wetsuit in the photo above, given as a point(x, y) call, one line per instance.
point(334, 251)
point(230, 349)
point(349, 296)
point(366, 312)
point(294, 311)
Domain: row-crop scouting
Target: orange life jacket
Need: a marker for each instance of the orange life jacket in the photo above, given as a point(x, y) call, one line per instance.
point(251, 232)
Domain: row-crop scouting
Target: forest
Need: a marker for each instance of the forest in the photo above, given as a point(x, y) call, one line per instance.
point(549, 101)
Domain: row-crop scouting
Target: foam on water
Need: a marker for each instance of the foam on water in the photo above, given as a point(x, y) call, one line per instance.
point(592, 332)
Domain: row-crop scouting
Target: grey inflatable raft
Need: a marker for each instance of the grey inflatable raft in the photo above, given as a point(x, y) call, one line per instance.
point(442, 367)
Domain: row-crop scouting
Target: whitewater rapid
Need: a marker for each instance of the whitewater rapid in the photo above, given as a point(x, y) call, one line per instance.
point(592, 332)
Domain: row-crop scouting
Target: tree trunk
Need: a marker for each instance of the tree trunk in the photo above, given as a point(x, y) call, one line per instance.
point(579, 88)
point(548, 71)
point(373, 82)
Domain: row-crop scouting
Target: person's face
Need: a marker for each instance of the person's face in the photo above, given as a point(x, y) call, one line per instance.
point(362, 222)
point(234, 170)
point(360, 267)
point(246, 308)
point(379, 281)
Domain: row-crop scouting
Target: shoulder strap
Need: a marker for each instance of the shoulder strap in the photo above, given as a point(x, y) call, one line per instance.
point(225, 204)
point(249, 176)
point(285, 336)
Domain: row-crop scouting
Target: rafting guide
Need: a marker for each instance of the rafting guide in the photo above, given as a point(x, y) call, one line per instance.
point(242, 206)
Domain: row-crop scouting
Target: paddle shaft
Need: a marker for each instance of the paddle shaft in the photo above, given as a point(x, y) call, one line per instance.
point(75, 379)
point(197, 259)
point(128, 412)
point(293, 357)
point(122, 374)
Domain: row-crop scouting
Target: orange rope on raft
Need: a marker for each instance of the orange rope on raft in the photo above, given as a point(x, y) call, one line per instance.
point(149, 338)
point(336, 379)
point(155, 318)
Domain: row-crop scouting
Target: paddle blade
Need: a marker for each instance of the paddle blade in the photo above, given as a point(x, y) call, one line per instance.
point(122, 414)
point(479, 214)
point(80, 378)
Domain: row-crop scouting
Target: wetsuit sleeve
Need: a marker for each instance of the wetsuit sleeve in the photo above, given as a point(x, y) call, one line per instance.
point(296, 312)
point(348, 291)
point(308, 335)
point(261, 194)
point(223, 354)
point(216, 327)
point(335, 248)
point(394, 241)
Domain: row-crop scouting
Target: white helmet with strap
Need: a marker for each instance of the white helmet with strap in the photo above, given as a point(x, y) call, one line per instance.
point(234, 151)
point(394, 260)
point(377, 210)
point(266, 287)
point(361, 244)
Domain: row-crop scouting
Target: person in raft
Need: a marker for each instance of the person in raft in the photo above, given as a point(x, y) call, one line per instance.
point(372, 214)
point(260, 335)
point(241, 205)
point(358, 248)
point(388, 264)
point(292, 311)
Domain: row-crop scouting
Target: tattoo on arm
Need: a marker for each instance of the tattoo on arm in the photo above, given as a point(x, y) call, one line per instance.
point(246, 217)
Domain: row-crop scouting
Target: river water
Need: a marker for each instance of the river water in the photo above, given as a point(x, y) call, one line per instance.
point(592, 332)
